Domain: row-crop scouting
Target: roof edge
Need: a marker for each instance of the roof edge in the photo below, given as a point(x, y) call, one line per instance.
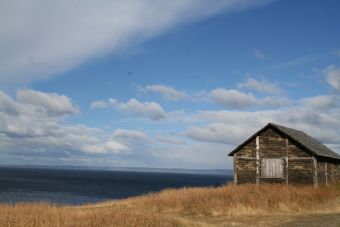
point(274, 126)
point(249, 139)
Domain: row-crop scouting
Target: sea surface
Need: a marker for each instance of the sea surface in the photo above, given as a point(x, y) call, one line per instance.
point(89, 186)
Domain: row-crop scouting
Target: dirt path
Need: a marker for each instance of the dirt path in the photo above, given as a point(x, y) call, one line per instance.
point(308, 220)
point(328, 215)
point(325, 215)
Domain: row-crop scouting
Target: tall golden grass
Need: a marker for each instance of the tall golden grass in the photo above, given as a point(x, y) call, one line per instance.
point(165, 208)
point(235, 200)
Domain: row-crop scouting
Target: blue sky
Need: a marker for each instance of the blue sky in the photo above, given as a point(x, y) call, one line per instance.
point(154, 84)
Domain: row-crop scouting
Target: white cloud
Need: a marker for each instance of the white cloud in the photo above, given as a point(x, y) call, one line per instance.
point(180, 116)
point(151, 110)
point(333, 76)
point(129, 134)
point(170, 139)
point(102, 104)
point(258, 54)
point(167, 92)
point(311, 115)
point(198, 139)
point(55, 103)
point(321, 102)
point(216, 132)
point(99, 105)
point(34, 123)
point(112, 146)
point(42, 38)
point(192, 155)
point(231, 98)
point(260, 86)
point(235, 99)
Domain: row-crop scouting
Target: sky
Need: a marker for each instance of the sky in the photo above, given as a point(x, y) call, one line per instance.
point(175, 84)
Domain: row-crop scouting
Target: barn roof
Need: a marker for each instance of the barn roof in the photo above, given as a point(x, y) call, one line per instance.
point(301, 138)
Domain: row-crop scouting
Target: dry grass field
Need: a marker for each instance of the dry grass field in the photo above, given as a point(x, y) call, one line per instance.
point(230, 205)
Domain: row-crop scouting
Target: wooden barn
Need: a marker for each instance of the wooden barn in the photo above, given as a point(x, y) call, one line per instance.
point(277, 154)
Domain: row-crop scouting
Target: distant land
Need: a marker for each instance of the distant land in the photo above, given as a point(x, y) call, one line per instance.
point(228, 172)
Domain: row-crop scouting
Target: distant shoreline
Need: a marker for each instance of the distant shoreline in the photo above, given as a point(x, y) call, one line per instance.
point(227, 172)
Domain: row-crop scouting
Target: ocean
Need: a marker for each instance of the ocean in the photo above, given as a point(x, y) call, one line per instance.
point(75, 187)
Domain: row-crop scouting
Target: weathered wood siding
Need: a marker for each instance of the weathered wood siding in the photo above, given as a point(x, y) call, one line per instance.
point(337, 172)
point(295, 152)
point(246, 171)
point(246, 168)
point(331, 173)
point(300, 171)
point(321, 173)
point(300, 165)
point(273, 145)
point(248, 150)
point(327, 172)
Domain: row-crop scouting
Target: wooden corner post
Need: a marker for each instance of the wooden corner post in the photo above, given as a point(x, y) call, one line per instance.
point(235, 169)
point(315, 177)
point(257, 160)
point(326, 173)
point(287, 175)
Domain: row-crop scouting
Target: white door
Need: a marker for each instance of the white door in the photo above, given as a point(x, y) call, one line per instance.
point(272, 167)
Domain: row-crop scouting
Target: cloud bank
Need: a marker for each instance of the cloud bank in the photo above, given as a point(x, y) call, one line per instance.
point(262, 86)
point(167, 92)
point(318, 116)
point(34, 122)
point(34, 125)
point(236, 99)
point(43, 38)
point(151, 110)
point(333, 77)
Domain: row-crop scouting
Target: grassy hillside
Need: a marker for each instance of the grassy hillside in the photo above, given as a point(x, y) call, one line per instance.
point(227, 205)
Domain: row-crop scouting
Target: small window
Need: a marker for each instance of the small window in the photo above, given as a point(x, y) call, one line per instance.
point(272, 168)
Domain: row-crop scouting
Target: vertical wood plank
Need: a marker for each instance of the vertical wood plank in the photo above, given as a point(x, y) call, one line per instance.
point(333, 173)
point(287, 147)
point(257, 160)
point(235, 169)
point(326, 173)
point(272, 168)
point(315, 179)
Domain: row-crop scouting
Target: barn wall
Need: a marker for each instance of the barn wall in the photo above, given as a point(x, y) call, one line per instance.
point(246, 171)
point(296, 152)
point(246, 168)
point(273, 145)
point(321, 173)
point(300, 167)
point(300, 172)
point(300, 163)
point(248, 150)
point(331, 173)
point(332, 169)
point(337, 172)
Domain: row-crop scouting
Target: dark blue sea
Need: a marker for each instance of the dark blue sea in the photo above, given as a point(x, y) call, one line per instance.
point(89, 186)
